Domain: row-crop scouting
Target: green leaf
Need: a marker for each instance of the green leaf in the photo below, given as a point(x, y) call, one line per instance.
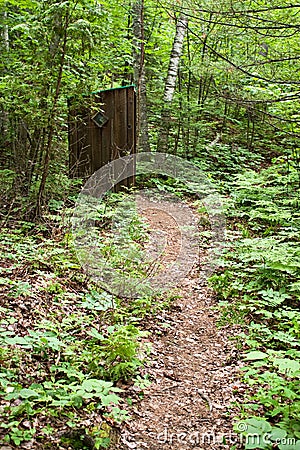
point(109, 399)
point(94, 333)
point(255, 424)
point(288, 446)
point(277, 434)
point(95, 385)
point(254, 429)
point(255, 355)
point(27, 393)
point(287, 366)
point(17, 340)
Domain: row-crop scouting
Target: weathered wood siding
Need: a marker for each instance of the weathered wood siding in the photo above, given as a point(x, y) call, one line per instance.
point(91, 146)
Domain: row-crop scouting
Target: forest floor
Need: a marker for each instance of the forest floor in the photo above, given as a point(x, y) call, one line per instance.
point(194, 366)
point(195, 374)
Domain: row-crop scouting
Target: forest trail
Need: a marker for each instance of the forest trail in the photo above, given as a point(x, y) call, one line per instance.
point(195, 378)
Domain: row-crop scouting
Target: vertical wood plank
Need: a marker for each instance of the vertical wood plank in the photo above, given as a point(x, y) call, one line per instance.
point(107, 129)
point(131, 126)
point(72, 139)
point(97, 139)
point(120, 124)
point(84, 145)
point(131, 120)
point(92, 147)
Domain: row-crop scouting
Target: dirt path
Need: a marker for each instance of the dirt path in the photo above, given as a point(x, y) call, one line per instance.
point(195, 378)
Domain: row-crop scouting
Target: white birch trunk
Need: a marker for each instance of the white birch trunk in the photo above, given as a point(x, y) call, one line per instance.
point(174, 59)
point(162, 143)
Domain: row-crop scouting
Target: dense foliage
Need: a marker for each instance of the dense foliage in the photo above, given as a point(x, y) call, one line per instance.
point(65, 343)
point(259, 285)
point(234, 113)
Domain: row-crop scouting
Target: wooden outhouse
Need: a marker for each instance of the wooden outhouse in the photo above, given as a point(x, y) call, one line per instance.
point(103, 133)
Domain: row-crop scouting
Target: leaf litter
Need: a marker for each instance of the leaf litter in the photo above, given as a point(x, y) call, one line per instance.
point(193, 367)
point(195, 372)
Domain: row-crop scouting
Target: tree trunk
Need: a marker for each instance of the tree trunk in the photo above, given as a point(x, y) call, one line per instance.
point(139, 76)
point(5, 35)
point(162, 143)
point(51, 123)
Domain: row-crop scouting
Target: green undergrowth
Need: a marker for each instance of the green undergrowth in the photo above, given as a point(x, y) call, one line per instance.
point(258, 287)
point(222, 161)
point(68, 349)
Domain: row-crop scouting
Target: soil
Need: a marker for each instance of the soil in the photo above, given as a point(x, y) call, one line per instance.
point(195, 373)
point(195, 381)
